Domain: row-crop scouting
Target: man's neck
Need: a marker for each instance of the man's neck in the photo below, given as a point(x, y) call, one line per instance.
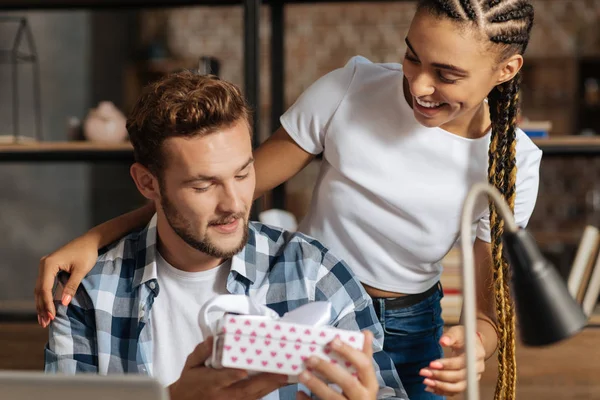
point(181, 255)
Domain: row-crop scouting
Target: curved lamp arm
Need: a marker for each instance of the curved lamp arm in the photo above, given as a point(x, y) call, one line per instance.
point(468, 273)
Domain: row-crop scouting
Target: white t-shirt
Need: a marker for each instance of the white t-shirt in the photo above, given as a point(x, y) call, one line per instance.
point(390, 191)
point(175, 328)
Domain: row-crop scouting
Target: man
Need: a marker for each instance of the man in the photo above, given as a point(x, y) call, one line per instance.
point(137, 310)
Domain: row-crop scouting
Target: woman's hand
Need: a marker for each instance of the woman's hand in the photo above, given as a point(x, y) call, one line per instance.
point(448, 376)
point(77, 258)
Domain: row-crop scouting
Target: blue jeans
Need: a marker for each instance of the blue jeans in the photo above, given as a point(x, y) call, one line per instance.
point(412, 337)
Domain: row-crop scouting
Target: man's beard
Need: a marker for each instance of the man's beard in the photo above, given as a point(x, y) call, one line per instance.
point(185, 231)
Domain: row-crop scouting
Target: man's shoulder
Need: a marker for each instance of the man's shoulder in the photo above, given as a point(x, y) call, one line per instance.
point(295, 247)
point(118, 260)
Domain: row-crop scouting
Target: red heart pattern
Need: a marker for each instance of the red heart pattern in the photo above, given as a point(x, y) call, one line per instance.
point(240, 337)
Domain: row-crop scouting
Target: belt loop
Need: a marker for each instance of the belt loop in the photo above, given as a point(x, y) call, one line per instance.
point(382, 313)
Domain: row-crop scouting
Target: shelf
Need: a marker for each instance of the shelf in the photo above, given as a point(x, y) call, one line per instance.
point(569, 145)
point(66, 152)
point(95, 152)
point(451, 315)
point(17, 311)
point(115, 4)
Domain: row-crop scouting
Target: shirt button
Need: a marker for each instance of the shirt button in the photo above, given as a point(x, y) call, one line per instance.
point(152, 285)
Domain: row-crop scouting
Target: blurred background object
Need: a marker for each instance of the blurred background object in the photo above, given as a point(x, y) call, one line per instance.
point(17, 50)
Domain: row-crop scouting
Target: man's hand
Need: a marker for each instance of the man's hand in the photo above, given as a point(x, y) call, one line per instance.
point(448, 376)
point(200, 382)
point(363, 386)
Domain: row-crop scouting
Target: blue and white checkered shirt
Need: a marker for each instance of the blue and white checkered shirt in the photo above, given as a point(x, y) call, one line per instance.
point(107, 328)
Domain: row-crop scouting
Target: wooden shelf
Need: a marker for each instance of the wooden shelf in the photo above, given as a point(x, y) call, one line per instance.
point(66, 152)
point(94, 152)
point(569, 145)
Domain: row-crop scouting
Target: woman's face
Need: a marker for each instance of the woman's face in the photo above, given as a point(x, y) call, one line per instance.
point(449, 69)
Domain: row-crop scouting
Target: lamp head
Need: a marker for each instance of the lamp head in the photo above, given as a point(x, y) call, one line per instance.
point(546, 311)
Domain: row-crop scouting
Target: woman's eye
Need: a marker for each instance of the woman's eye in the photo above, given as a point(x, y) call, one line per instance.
point(446, 79)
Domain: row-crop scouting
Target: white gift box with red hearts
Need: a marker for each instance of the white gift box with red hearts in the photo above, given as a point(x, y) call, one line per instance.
point(267, 343)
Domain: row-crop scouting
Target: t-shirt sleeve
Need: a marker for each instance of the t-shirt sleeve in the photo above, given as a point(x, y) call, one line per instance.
point(307, 120)
point(528, 179)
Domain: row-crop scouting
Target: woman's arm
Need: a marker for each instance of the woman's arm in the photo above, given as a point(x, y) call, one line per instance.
point(486, 313)
point(114, 229)
point(277, 160)
point(79, 256)
point(447, 376)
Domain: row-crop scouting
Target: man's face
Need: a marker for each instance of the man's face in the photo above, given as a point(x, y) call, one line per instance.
point(207, 189)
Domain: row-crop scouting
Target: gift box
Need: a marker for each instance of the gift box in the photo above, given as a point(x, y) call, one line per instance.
point(257, 340)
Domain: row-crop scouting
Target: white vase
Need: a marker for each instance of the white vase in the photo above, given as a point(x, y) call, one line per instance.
point(105, 124)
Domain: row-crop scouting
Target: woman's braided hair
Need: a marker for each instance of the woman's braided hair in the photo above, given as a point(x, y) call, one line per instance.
point(507, 24)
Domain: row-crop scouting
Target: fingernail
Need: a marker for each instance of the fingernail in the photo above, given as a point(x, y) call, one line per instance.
point(429, 382)
point(50, 316)
point(336, 343)
point(66, 299)
point(304, 377)
point(436, 364)
point(312, 361)
point(40, 320)
point(426, 372)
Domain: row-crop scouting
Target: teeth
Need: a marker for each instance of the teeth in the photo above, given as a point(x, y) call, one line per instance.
point(427, 104)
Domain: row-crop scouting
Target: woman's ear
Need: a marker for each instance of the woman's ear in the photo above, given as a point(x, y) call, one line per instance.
point(145, 181)
point(510, 68)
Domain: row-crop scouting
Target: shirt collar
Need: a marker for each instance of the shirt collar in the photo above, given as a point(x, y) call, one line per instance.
point(243, 263)
point(145, 268)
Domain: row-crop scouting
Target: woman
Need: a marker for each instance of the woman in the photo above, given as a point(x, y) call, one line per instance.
point(402, 145)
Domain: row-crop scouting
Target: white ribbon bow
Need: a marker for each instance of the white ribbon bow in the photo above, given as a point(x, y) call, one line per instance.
point(316, 313)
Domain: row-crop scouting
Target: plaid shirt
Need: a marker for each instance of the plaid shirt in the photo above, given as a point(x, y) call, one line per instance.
point(107, 328)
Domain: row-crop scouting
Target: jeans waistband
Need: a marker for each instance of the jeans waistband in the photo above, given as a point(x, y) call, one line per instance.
point(397, 303)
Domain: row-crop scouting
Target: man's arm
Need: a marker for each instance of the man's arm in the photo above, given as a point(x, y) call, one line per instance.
point(72, 346)
point(353, 310)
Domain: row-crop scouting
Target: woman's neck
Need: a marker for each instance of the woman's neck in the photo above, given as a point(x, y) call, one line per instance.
point(472, 125)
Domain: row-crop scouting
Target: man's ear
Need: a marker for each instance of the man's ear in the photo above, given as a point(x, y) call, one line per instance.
point(145, 181)
point(510, 68)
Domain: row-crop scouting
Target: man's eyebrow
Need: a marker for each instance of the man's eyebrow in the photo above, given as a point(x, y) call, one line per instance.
point(250, 161)
point(208, 178)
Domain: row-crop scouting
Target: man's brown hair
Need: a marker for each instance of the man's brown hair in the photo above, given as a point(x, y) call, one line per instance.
point(182, 104)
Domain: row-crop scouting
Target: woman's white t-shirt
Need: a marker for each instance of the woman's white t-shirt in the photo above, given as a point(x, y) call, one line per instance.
point(390, 191)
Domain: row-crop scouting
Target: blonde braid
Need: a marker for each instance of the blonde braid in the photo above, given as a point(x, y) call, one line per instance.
point(496, 178)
